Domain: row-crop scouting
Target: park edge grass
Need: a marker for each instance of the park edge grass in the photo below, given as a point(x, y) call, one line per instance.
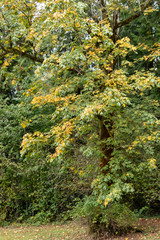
point(149, 230)
point(70, 231)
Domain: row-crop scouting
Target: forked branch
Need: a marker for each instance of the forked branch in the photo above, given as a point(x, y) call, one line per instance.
point(134, 16)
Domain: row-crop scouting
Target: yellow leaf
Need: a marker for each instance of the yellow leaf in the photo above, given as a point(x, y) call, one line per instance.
point(107, 201)
point(23, 125)
point(13, 82)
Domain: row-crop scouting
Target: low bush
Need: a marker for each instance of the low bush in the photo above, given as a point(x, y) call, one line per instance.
point(115, 218)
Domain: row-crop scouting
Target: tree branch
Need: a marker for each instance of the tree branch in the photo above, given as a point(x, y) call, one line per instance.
point(2, 54)
point(25, 54)
point(3, 48)
point(104, 11)
point(134, 16)
point(20, 53)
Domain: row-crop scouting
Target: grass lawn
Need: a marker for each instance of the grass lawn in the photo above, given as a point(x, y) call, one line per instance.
point(70, 231)
point(75, 231)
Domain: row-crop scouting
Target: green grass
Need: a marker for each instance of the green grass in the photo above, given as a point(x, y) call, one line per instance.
point(47, 232)
point(73, 231)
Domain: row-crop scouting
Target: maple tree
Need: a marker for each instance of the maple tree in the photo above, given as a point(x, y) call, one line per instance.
point(97, 97)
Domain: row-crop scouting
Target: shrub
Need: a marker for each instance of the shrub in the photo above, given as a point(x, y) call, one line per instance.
point(115, 218)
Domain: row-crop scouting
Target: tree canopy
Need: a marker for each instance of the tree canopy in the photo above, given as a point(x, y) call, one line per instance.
point(86, 89)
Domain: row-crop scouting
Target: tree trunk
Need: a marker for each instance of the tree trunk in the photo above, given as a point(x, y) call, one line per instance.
point(105, 133)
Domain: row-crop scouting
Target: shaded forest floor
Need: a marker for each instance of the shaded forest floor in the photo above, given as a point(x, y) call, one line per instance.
point(73, 231)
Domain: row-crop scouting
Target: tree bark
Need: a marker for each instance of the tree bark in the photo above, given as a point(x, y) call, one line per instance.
point(134, 16)
point(105, 133)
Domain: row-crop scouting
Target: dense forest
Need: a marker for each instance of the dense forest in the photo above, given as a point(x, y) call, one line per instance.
point(79, 111)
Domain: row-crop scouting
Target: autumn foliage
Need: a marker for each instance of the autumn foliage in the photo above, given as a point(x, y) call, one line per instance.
point(88, 104)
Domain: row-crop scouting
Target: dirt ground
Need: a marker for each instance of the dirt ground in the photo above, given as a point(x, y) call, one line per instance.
point(145, 229)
